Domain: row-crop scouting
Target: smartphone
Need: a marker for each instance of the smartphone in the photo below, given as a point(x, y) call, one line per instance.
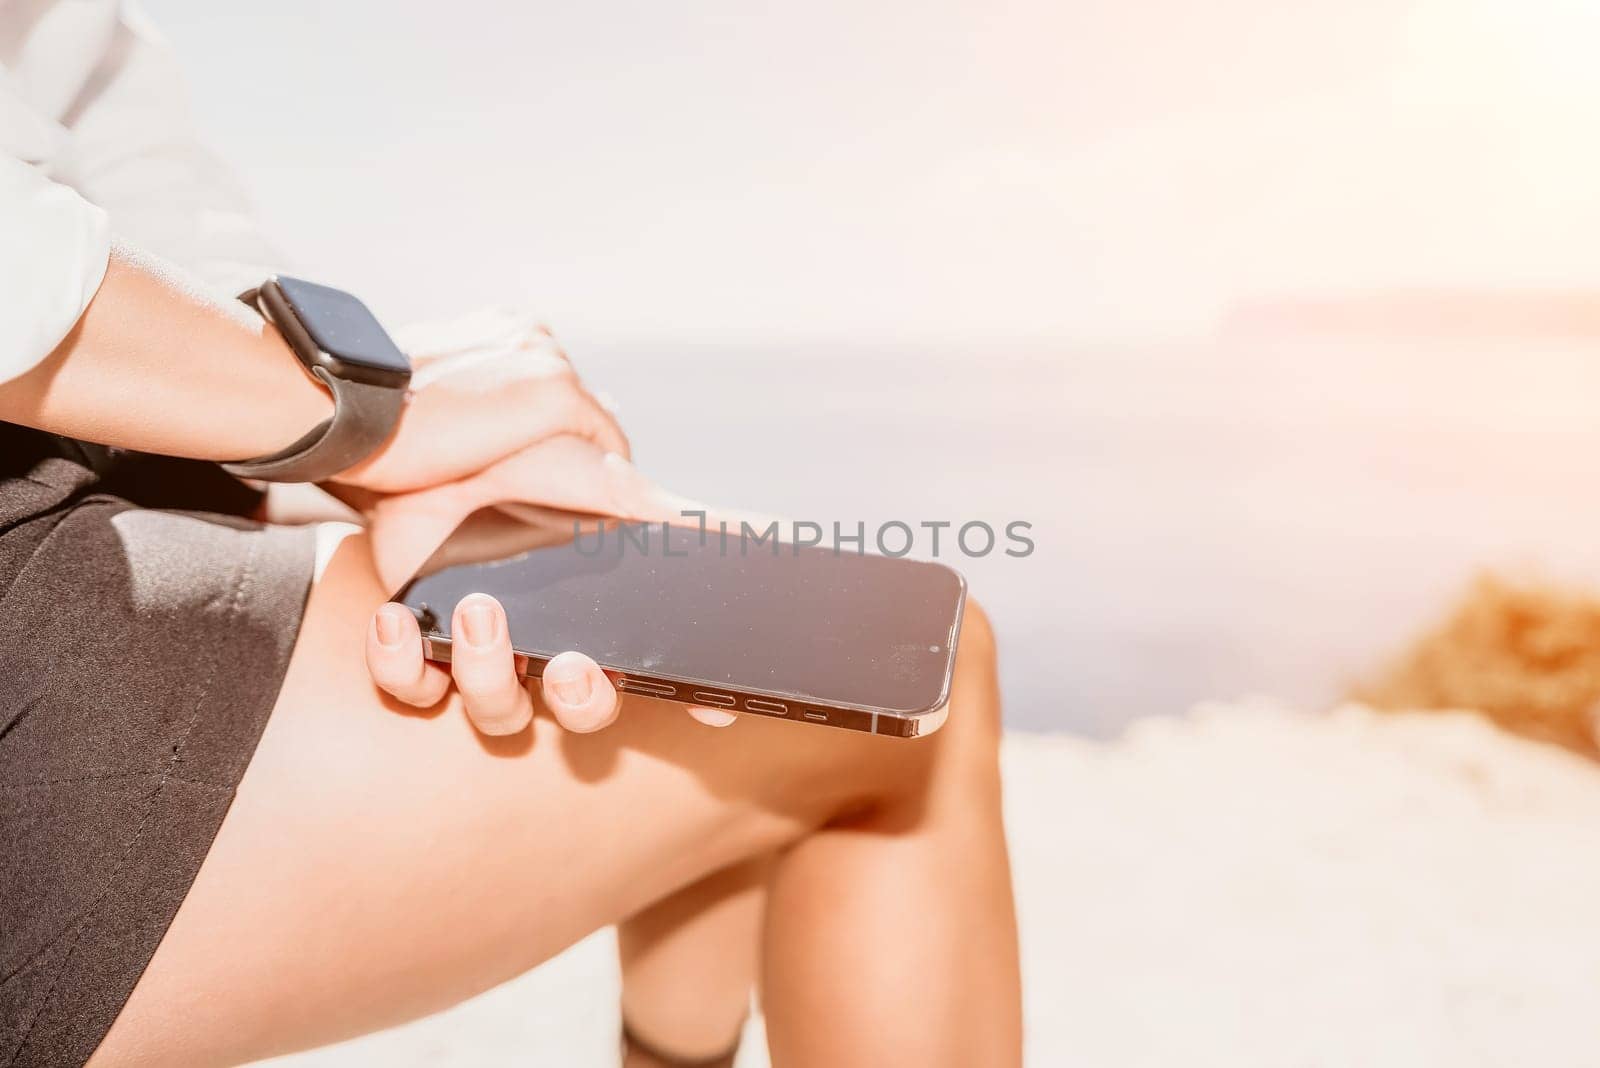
point(803, 633)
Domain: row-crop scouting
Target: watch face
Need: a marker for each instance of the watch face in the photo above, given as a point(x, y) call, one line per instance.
point(352, 343)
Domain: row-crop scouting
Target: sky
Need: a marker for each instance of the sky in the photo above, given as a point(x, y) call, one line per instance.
point(958, 171)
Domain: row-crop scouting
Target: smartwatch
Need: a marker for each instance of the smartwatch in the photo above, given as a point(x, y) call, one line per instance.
point(341, 345)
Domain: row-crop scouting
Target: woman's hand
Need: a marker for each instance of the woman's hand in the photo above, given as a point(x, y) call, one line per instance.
point(497, 419)
point(565, 474)
point(536, 494)
point(484, 669)
point(496, 414)
point(473, 408)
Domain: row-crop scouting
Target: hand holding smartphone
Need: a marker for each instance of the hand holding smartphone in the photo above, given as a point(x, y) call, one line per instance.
point(807, 634)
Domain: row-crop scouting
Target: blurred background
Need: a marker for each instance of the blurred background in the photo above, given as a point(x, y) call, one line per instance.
point(1275, 320)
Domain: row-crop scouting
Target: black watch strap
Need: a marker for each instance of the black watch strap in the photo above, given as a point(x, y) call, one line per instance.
point(339, 443)
point(364, 413)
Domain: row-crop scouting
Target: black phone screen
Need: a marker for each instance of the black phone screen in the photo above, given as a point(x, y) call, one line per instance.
point(674, 602)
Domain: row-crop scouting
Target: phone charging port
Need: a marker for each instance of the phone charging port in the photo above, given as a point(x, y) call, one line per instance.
point(755, 704)
point(716, 700)
point(816, 716)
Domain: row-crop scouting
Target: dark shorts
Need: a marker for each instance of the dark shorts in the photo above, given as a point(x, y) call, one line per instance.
point(145, 627)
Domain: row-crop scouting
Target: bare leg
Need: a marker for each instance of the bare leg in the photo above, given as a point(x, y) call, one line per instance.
point(689, 963)
point(890, 921)
point(378, 865)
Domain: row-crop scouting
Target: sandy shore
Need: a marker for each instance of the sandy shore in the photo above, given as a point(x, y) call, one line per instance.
point(1246, 885)
point(1252, 886)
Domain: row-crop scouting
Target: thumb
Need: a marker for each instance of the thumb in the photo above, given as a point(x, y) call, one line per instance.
point(405, 529)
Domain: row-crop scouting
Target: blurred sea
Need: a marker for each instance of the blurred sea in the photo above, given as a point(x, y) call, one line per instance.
point(1240, 517)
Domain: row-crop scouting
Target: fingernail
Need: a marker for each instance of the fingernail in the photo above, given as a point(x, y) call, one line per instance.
point(388, 628)
point(574, 691)
point(481, 624)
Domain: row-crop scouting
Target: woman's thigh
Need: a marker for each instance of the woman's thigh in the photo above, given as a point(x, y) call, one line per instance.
point(378, 863)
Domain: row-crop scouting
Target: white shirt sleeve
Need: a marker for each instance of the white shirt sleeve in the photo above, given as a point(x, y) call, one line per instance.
point(53, 251)
point(132, 148)
point(94, 123)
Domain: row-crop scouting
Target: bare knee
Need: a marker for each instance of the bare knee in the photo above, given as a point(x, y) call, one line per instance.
point(977, 672)
point(972, 726)
point(963, 756)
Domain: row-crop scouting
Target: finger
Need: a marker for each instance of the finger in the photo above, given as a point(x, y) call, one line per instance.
point(565, 472)
point(597, 419)
point(548, 406)
point(573, 475)
point(485, 668)
point(597, 423)
point(394, 657)
point(542, 337)
point(621, 445)
point(578, 693)
point(712, 717)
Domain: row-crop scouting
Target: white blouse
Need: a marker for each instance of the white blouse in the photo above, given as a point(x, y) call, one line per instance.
point(96, 140)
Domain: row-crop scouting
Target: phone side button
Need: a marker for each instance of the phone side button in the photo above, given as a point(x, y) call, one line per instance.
point(816, 715)
point(715, 700)
point(756, 704)
point(654, 689)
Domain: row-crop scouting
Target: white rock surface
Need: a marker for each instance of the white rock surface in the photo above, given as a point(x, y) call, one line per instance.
point(1242, 886)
